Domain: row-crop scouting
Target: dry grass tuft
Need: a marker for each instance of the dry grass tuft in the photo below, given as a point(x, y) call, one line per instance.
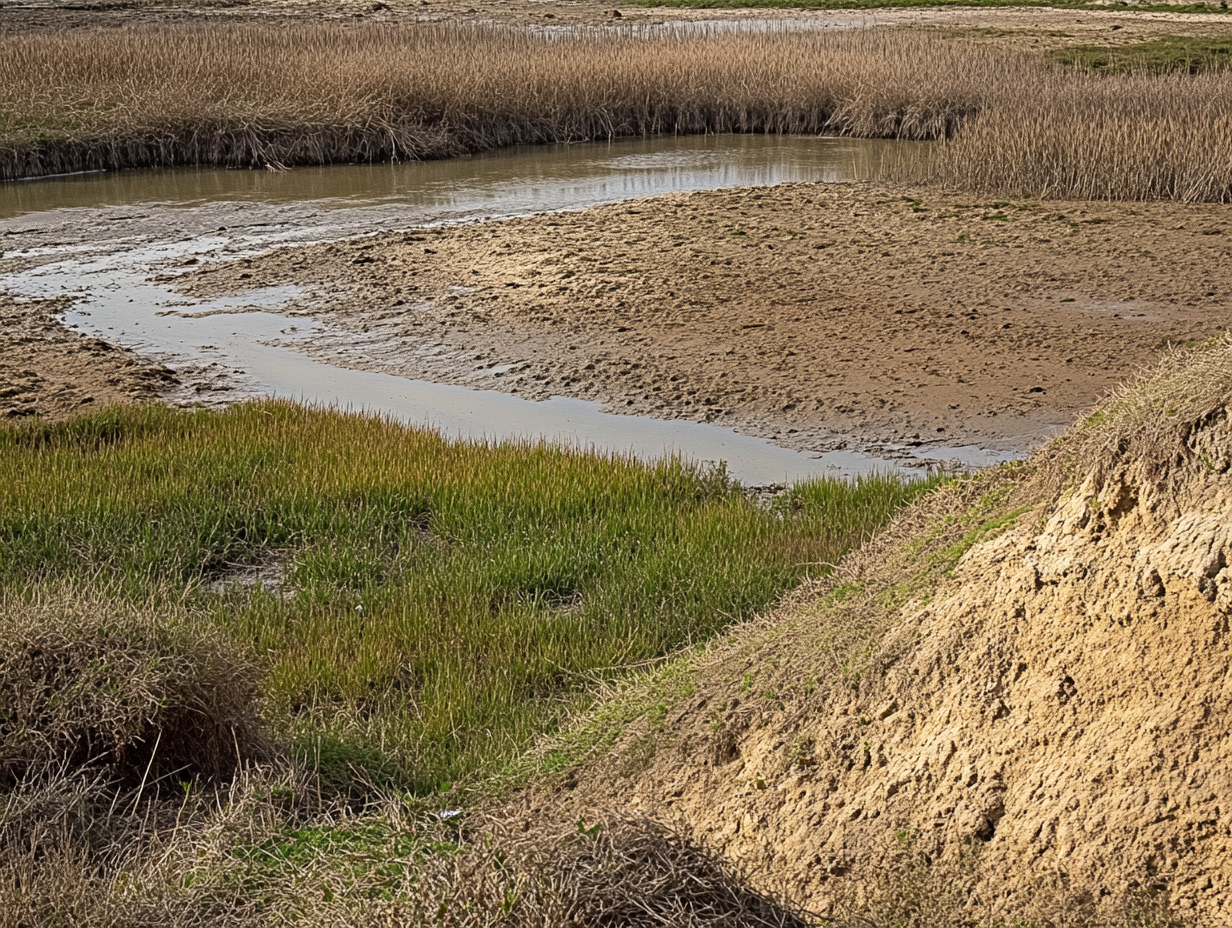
point(619, 870)
point(92, 684)
point(1158, 429)
point(79, 851)
point(264, 851)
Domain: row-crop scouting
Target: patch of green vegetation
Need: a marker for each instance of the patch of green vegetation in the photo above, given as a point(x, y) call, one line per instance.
point(843, 590)
point(1095, 420)
point(422, 609)
point(934, 559)
point(929, 557)
point(364, 853)
point(1191, 54)
point(949, 557)
point(885, 4)
point(292, 868)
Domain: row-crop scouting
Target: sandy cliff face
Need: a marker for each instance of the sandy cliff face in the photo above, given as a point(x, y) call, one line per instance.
point(1054, 710)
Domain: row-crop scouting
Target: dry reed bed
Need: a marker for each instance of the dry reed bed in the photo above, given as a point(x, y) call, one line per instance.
point(258, 95)
point(269, 96)
point(1082, 136)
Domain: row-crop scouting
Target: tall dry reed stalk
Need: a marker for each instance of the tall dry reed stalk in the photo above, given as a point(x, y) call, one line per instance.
point(1082, 136)
point(265, 95)
point(253, 95)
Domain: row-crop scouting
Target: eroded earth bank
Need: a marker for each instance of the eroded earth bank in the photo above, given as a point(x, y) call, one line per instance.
point(1012, 702)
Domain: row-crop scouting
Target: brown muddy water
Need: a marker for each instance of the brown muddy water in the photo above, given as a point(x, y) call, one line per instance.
point(519, 180)
point(101, 238)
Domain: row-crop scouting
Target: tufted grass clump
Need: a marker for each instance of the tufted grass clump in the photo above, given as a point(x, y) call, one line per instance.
point(105, 688)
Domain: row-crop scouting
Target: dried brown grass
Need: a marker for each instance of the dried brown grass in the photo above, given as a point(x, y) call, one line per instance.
point(228, 860)
point(1158, 430)
point(128, 694)
point(618, 870)
point(79, 851)
point(259, 95)
point(1084, 136)
point(245, 856)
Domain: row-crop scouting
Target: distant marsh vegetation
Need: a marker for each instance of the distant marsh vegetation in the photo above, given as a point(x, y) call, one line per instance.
point(1123, 124)
point(1167, 53)
point(255, 95)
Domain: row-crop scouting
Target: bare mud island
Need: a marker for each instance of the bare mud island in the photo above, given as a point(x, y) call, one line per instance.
point(263, 663)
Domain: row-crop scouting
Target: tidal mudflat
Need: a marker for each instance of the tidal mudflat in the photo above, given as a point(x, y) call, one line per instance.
point(269, 664)
point(817, 315)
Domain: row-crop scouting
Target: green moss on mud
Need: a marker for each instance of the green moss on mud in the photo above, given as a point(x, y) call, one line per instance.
point(1191, 54)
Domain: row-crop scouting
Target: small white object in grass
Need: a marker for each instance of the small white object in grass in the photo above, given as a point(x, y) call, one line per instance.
point(448, 814)
point(359, 608)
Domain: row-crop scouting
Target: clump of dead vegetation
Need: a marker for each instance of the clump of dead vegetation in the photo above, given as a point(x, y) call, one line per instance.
point(99, 686)
point(268, 849)
point(617, 870)
point(1086, 136)
point(1168, 422)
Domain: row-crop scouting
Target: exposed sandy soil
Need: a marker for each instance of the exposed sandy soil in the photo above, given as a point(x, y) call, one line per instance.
point(813, 314)
point(49, 371)
point(1054, 709)
point(1029, 28)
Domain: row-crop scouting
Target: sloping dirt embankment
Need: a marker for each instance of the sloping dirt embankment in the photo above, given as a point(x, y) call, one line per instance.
point(1023, 685)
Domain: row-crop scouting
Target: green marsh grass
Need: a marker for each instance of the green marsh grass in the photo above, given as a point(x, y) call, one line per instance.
point(1192, 54)
point(422, 609)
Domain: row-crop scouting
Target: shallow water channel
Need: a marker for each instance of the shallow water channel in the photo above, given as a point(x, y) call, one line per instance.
point(100, 238)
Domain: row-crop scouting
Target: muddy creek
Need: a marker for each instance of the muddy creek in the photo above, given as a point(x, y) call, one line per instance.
point(102, 239)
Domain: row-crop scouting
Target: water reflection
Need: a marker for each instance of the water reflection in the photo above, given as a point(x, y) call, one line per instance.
point(522, 179)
